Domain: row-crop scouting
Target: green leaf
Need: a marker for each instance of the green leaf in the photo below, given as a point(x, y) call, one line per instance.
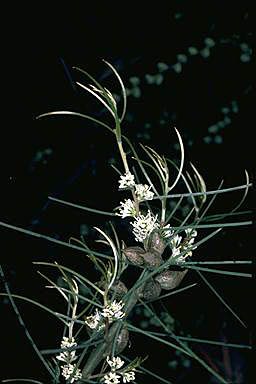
point(221, 299)
point(122, 89)
point(238, 274)
point(141, 166)
point(21, 380)
point(82, 207)
point(148, 334)
point(52, 239)
point(75, 114)
point(72, 272)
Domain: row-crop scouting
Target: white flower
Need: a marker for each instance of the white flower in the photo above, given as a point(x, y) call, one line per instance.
point(128, 376)
point(143, 192)
point(176, 252)
point(68, 343)
point(187, 245)
point(114, 310)
point(144, 225)
point(62, 356)
point(67, 356)
point(190, 232)
point(116, 307)
point(127, 208)
point(93, 320)
point(111, 378)
point(175, 241)
point(71, 370)
point(115, 363)
point(166, 231)
point(126, 181)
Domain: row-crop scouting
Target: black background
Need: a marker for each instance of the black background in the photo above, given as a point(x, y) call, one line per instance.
point(40, 46)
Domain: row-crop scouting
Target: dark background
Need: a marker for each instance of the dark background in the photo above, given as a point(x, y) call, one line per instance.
point(69, 158)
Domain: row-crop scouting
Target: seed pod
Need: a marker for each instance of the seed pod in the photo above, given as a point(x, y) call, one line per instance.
point(152, 260)
point(134, 255)
point(170, 279)
point(156, 243)
point(121, 342)
point(151, 290)
point(118, 289)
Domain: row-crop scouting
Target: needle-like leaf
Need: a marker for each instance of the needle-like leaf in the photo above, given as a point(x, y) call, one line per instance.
point(221, 299)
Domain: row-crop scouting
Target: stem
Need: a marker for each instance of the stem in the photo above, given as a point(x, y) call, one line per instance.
point(163, 202)
point(72, 322)
point(73, 318)
point(99, 352)
point(119, 143)
point(123, 156)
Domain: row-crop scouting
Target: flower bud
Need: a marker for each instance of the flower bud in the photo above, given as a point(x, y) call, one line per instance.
point(170, 279)
point(134, 255)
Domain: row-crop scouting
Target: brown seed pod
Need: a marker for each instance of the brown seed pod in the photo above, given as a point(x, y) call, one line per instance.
point(118, 289)
point(151, 290)
point(156, 243)
point(152, 260)
point(170, 279)
point(121, 342)
point(134, 255)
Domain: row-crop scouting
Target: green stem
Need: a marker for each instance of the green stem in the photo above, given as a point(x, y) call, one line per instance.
point(99, 352)
point(163, 202)
point(123, 156)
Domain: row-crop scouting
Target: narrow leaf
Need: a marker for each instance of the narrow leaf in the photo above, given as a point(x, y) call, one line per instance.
point(82, 207)
point(181, 161)
point(75, 114)
point(220, 271)
point(52, 239)
point(122, 88)
point(72, 272)
point(221, 299)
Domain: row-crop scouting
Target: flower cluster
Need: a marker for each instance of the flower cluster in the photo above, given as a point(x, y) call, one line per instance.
point(144, 225)
point(166, 231)
point(127, 208)
point(112, 312)
point(67, 356)
point(113, 377)
point(143, 192)
point(69, 371)
point(115, 363)
point(178, 247)
point(127, 181)
point(95, 321)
